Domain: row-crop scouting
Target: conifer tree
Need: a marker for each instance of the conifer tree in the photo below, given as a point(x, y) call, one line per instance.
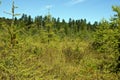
point(58, 24)
point(12, 29)
point(107, 40)
point(49, 26)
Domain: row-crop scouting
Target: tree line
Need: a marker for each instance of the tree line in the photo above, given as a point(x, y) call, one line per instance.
point(56, 24)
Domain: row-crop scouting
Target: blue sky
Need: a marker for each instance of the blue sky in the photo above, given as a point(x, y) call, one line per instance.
point(92, 10)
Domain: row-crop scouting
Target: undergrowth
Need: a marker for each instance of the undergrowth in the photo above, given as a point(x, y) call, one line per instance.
point(64, 59)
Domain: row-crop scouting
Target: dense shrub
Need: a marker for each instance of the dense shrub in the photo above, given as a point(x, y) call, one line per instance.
point(107, 41)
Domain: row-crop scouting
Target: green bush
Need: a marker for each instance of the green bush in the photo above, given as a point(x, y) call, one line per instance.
point(106, 41)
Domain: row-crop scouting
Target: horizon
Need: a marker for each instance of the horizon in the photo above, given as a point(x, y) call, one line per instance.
point(91, 10)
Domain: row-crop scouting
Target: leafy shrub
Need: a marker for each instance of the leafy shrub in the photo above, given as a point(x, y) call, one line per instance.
point(72, 55)
point(106, 41)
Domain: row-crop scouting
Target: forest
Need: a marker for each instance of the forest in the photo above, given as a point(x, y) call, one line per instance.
point(48, 48)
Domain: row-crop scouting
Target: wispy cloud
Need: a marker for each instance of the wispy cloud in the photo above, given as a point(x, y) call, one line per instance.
point(77, 1)
point(74, 2)
point(48, 6)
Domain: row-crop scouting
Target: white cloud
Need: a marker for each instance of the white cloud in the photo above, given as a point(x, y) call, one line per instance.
point(48, 6)
point(74, 2)
point(77, 1)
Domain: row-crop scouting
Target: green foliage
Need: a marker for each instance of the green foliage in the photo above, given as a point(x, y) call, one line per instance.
point(73, 54)
point(47, 49)
point(107, 41)
point(105, 38)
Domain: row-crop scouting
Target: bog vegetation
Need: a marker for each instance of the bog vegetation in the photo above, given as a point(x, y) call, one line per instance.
point(47, 48)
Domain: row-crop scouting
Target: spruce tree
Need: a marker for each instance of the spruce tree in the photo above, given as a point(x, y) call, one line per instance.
point(12, 28)
point(107, 40)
